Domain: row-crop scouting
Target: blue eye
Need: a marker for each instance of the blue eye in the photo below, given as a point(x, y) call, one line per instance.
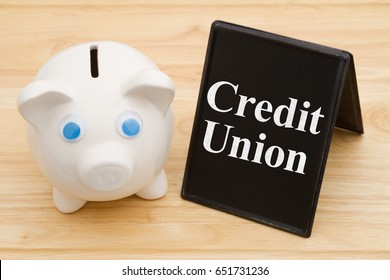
point(71, 131)
point(129, 124)
point(131, 127)
point(72, 128)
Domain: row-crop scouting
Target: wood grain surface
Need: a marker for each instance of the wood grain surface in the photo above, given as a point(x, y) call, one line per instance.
point(353, 216)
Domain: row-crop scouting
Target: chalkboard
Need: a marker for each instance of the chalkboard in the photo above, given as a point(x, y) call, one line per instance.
point(266, 111)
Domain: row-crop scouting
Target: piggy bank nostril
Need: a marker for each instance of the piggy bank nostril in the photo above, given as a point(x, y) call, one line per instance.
point(106, 178)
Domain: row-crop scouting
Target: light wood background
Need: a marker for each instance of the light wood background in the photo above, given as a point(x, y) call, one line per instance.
point(353, 216)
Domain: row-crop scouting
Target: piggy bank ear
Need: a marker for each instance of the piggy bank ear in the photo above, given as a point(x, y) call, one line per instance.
point(153, 85)
point(39, 97)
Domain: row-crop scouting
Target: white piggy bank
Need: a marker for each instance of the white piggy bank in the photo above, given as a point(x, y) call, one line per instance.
point(99, 124)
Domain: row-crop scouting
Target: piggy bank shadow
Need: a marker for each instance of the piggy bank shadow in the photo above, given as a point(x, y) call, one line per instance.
point(128, 211)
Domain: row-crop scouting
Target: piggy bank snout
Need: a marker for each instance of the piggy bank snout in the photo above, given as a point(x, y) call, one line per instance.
point(106, 177)
point(105, 170)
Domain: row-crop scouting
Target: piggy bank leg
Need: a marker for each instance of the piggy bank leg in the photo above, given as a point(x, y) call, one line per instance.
point(157, 189)
point(66, 203)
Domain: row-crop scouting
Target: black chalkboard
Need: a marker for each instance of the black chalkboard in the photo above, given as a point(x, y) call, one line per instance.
point(266, 111)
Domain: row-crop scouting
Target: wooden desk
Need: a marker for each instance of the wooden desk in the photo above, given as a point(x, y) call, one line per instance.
point(353, 217)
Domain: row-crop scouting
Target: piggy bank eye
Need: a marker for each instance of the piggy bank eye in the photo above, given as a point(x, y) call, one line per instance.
point(128, 124)
point(72, 128)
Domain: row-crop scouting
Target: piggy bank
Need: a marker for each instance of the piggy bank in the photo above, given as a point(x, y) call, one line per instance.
point(99, 124)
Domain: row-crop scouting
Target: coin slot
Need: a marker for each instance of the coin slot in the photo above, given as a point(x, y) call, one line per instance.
point(94, 61)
